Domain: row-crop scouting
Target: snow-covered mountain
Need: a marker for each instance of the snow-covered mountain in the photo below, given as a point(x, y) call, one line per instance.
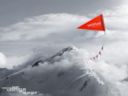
point(67, 73)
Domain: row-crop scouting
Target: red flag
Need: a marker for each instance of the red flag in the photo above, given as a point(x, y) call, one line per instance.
point(96, 24)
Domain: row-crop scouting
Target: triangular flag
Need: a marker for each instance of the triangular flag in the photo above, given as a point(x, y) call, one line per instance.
point(96, 24)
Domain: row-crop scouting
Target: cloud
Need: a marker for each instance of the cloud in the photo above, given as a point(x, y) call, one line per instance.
point(117, 18)
point(16, 62)
point(41, 26)
point(60, 29)
point(2, 59)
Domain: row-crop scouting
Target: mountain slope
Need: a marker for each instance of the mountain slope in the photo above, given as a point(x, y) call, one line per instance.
point(60, 75)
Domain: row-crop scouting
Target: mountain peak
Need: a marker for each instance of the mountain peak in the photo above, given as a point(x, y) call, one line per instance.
point(52, 58)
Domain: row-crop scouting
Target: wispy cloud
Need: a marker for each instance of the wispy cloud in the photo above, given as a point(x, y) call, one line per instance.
point(41, 26)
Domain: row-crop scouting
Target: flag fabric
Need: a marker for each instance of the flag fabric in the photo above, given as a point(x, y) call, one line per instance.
point(96, 24)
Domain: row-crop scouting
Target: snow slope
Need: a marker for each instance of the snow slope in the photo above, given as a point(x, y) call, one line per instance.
point(67, 73)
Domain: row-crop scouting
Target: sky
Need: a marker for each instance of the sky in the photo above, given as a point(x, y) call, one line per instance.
point(13, 11)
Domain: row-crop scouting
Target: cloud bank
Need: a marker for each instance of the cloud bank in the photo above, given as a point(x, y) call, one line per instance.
point(61, 29)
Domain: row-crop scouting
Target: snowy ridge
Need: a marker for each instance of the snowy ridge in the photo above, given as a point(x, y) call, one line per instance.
point(67, 73)
point(51, 59)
